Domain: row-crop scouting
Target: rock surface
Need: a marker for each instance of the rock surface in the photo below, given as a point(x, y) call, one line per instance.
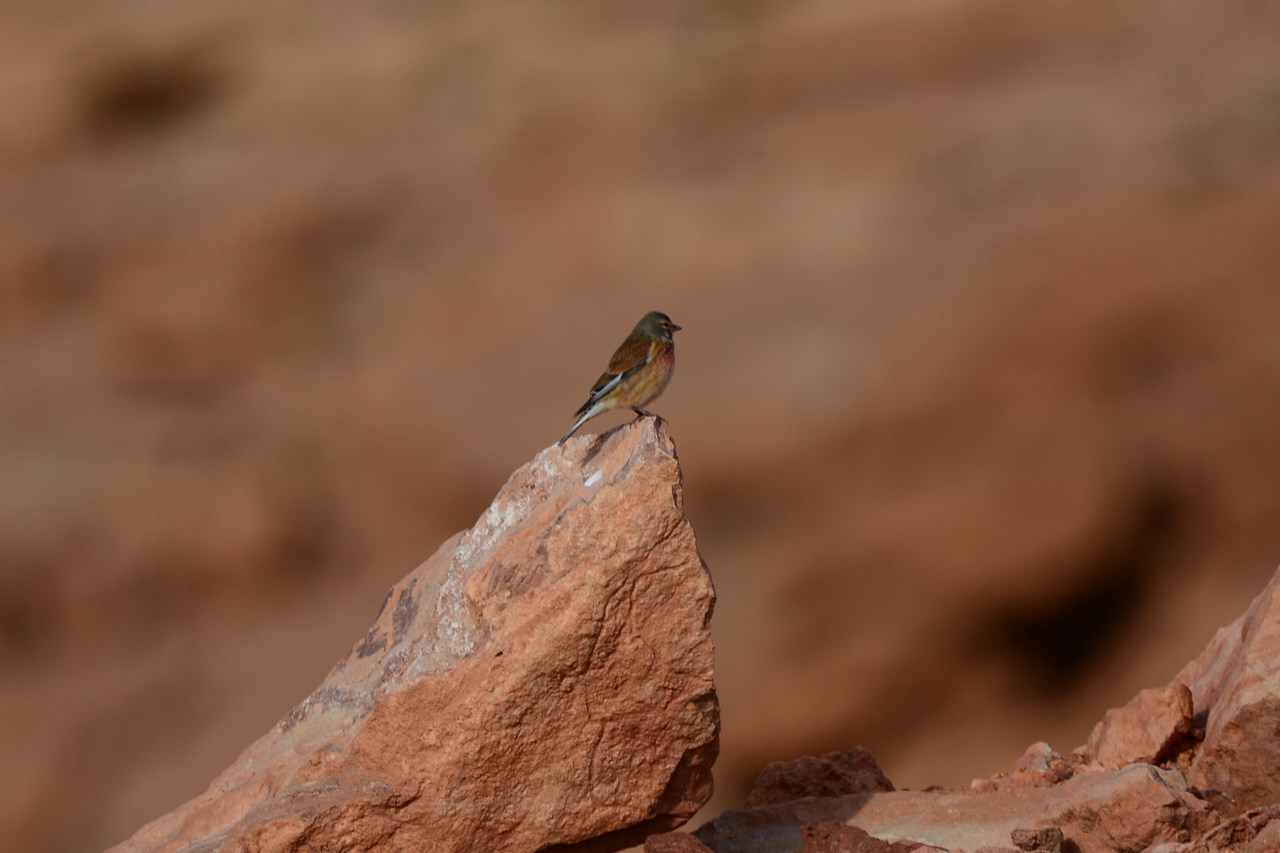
point(1146, 729)
point(1235, 684)
point(1186, 768)
point(543, 679)
point(1100, 811)
point(836, 774)
point(674, 842)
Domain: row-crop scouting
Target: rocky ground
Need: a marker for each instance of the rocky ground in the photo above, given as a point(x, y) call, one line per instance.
point(1185, 768)
point(976, 390)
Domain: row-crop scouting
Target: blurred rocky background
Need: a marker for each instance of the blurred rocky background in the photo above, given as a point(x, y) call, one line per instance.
point(977, 399)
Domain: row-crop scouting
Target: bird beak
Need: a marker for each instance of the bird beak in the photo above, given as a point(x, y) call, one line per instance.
point(675, 328)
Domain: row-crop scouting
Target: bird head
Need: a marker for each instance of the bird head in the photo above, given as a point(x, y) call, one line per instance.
point(657, 325)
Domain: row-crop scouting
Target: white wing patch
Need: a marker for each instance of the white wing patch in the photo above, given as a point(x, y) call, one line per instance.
point(608, 386)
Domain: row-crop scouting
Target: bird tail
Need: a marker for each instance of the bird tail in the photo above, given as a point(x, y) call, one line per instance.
point(586, 414)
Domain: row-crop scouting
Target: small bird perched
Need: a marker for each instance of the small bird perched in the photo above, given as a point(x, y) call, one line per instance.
point(638, 372)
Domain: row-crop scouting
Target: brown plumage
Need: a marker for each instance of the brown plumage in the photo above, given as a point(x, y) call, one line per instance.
point(638, 372)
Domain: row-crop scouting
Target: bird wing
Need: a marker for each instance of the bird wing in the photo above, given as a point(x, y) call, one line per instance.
point(634, 354)
point(631, 356)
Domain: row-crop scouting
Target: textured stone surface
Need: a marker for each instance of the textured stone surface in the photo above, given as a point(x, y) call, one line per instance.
point(1219, 720)
point(1256, 831)
point(836, 837)
point(1045, 840)
point(1109, 796)
point(1037, 767)
point(1099, 812)
point(835, 774)
point(1149, 727)
point(674, 842)
point(1235, 683)
point(544, 678)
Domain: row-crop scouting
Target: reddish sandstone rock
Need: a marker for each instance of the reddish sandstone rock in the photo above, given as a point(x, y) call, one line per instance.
point(1111, 797)
point(1045, 840)
point(833, 775)
point(1099, 812)
point(543, 679)
point(1235, 683)
point(1267, 840)
point(836, 837)
point(674, 842)
point(1038, 766)
point(1147, 729)
point(1256, 831)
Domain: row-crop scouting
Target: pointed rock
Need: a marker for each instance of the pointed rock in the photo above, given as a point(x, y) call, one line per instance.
point(543, 679)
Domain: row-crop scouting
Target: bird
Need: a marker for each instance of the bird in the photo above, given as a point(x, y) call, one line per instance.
point(638, 372)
